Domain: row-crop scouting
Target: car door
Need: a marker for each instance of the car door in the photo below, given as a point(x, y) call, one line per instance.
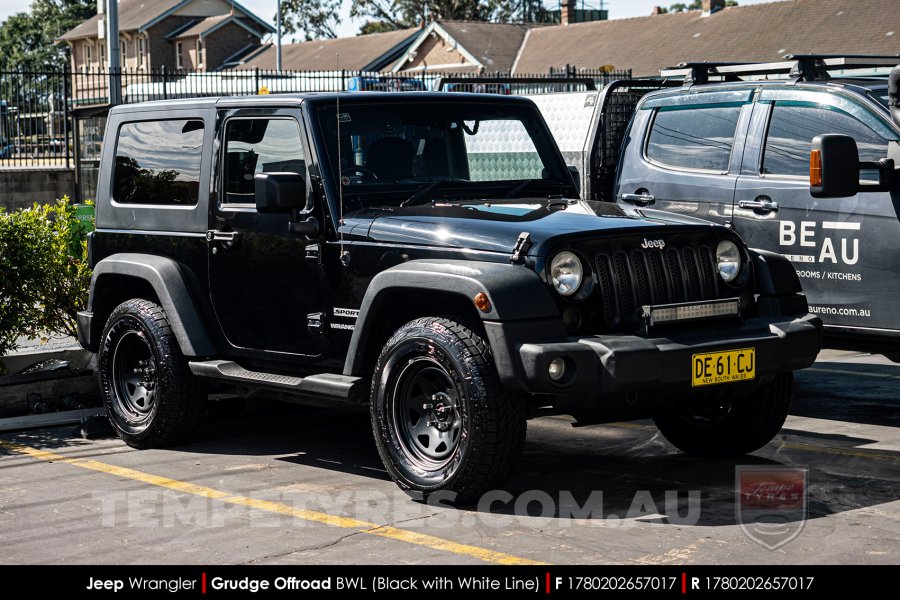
point(844, 249)
point(682, 150)
point(266, 292)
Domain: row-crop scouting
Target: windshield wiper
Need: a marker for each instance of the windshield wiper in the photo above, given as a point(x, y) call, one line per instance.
point(414, 199)
point(525, 184)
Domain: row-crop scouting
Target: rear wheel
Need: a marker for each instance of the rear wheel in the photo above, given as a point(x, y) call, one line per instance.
point(441, 419)
point(151, 397)
point(725, 428)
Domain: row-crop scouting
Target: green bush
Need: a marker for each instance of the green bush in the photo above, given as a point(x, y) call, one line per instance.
point(44, 275)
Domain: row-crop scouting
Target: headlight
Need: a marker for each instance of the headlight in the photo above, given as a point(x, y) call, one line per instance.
point(566, 273)
point(728, 259)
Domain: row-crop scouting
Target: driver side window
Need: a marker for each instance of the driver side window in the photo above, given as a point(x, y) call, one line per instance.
point(258, 145)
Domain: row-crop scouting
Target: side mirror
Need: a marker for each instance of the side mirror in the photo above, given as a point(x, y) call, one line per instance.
point(833, 166)
point(280, 192)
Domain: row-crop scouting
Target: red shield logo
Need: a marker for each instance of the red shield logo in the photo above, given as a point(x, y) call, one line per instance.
point(771, 503)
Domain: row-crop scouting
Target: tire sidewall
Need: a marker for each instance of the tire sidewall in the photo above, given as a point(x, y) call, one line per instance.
point(125, 319)
point(446, 349)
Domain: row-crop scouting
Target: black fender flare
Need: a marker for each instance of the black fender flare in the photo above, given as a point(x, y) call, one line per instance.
point(516, 294)
point(167, 279)
point(775, 275)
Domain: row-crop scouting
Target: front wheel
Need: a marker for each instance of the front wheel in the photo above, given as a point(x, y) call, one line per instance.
point(727, 428)
point(151, 397)
point(441, 419)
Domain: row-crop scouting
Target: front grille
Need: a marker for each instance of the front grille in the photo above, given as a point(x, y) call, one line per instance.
point(628, 281)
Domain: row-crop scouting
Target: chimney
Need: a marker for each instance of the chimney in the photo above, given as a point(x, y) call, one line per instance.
point(656, 11)
point(567, 12)
point(101, 7)
point(709, 7)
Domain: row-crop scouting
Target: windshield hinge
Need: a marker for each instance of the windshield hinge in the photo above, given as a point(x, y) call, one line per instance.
point(522, 246)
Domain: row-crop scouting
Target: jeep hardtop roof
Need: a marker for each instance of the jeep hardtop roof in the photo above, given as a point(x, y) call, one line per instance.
point(316, 97)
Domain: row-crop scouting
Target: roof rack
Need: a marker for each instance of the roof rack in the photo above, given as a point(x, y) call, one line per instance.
point(799, 67)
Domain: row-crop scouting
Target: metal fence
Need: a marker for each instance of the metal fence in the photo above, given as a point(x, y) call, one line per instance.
point(37, 108)
point(35, 120)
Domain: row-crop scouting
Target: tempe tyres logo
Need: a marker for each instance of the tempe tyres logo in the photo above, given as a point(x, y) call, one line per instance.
point(771, 503)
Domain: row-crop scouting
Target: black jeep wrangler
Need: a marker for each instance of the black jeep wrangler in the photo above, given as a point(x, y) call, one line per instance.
point(424, 254)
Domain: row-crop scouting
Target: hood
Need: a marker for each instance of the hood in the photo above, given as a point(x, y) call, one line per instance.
point(494, 226)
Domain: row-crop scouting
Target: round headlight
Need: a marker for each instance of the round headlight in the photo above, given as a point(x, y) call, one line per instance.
point(566, 273)
point(728, 260)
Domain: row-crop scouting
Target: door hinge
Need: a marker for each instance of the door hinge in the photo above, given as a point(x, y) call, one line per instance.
point(315, 322)
point(314, 253)
point(522, 246)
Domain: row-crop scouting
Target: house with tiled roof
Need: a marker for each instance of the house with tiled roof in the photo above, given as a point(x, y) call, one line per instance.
point(752, 33)
point(196, 35)
point(371, 52)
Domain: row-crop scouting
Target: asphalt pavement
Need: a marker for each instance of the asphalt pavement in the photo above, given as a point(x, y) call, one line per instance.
point(271, 483)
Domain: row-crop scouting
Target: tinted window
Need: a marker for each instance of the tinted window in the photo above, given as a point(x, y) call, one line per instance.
point(695, 138)
point(158, 162)
point(792, 128)
point(259, 146)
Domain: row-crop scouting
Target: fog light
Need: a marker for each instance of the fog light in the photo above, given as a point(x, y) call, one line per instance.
point(557, 369)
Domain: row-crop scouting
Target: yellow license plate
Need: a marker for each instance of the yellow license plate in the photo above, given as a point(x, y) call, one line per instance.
point(710, 368)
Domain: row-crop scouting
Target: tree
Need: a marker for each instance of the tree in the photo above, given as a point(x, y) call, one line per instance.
point(695, 5)
point(319, 18)
point(27, 38)
point(315, 19)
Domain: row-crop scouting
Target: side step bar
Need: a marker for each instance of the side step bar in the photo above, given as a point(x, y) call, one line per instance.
point(332, 386)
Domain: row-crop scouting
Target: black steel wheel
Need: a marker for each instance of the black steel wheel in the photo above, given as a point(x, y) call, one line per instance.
point(441, 419)
point(151, 397)
point(727, 428)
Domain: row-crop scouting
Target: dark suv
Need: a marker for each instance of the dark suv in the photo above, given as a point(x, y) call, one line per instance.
point(420, 253)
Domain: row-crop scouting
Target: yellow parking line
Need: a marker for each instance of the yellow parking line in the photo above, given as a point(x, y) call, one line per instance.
point(394, 533)
point(841, 451)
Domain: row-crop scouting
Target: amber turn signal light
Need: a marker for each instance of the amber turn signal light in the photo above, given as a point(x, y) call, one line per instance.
point(815, 168)
point(482, 302)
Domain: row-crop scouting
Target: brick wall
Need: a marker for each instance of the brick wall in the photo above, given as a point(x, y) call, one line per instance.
point(224, 42)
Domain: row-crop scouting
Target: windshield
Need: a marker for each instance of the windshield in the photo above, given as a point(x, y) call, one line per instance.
point(415, 152)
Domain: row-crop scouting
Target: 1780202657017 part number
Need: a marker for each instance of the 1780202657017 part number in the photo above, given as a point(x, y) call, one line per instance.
point(723, 367)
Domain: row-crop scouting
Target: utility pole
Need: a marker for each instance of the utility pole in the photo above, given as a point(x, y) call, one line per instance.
point(112, 50)
point(278, 34)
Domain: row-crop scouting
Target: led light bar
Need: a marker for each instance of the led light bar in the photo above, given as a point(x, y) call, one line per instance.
point(689, 311)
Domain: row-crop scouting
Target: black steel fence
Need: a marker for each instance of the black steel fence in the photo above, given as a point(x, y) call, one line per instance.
point(36, 108)
point(35, 119)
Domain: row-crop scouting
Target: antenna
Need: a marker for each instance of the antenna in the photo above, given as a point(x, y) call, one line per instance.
point(345, 256)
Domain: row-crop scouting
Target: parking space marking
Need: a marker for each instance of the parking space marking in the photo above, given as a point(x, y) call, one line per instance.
point(384, 531)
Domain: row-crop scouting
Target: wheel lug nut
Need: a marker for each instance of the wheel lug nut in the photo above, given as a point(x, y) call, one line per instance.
point(427, 406)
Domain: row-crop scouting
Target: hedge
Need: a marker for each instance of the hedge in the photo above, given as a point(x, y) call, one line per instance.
point(44, 275)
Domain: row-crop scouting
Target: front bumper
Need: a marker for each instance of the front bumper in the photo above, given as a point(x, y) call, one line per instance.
point(617, 364)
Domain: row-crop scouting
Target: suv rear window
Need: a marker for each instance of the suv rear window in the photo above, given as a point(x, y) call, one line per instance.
point(695, 138)
point(158, 162)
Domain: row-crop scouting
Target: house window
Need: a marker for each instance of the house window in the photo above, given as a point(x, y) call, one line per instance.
point(141, 53)
point(102, 56)
point(199, 51)
point(88, 55)
point(123, 53)
point(179, 63)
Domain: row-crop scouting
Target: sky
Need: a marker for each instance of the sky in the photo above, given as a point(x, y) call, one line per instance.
point(618, 9)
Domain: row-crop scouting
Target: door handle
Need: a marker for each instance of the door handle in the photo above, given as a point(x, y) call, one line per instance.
point(762, 204)
point(639, 199)
point(214, 235)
